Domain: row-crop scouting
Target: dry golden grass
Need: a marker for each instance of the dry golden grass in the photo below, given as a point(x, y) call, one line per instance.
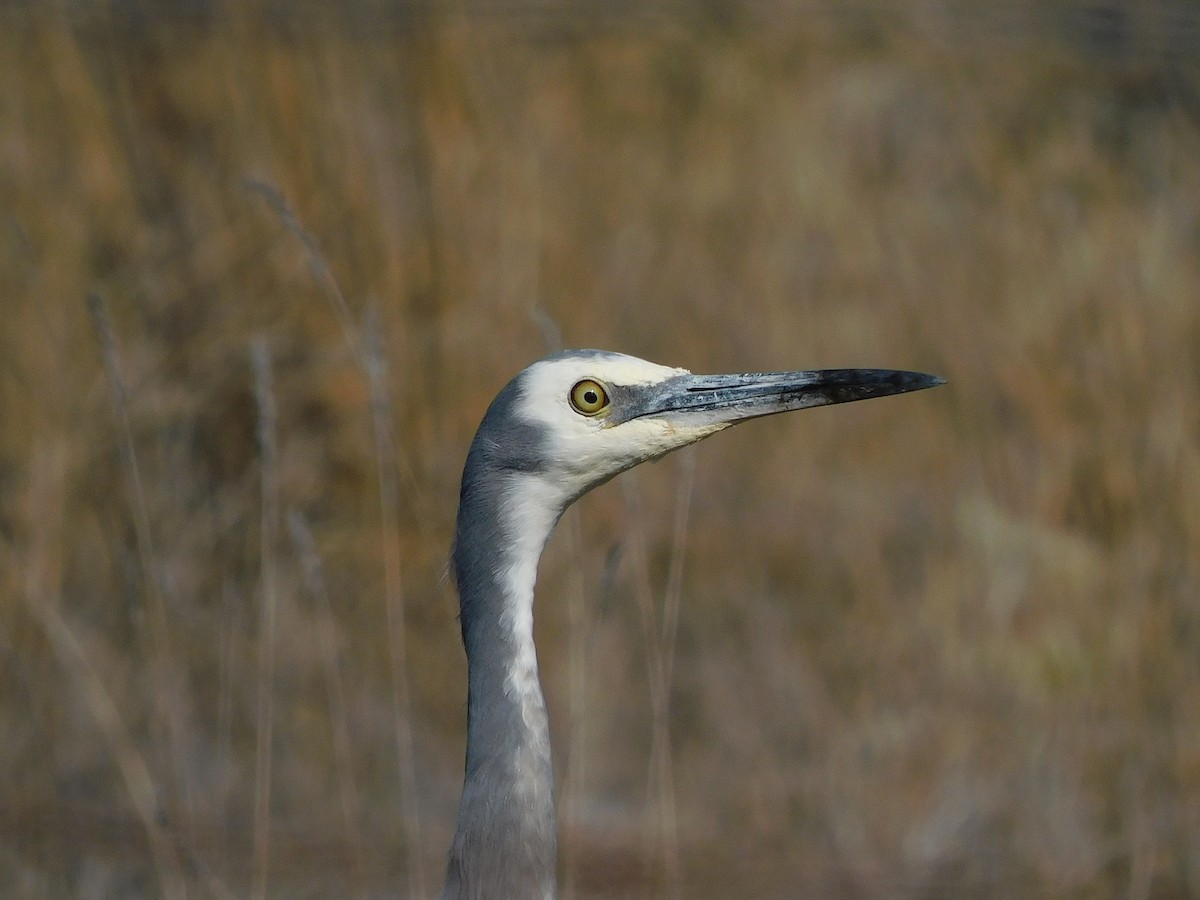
point(940, 645)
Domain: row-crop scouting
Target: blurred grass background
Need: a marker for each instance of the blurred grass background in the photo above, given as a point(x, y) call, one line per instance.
point(945, 645)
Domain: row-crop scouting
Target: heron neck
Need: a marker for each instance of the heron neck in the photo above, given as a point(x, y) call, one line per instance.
point(506, 829)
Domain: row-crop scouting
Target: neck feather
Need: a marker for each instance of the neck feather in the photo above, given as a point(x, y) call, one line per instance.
point(505, 842)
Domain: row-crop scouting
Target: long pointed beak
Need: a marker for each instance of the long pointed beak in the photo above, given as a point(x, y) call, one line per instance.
point(726, 399)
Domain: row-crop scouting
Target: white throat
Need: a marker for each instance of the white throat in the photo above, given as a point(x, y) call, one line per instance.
point(531, 507)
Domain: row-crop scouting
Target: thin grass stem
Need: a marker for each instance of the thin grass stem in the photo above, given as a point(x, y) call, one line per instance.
point(260, 357)
point(41, 588)
point(169, 696)
point(660, 777)
point(306, 549)
point(389, 513)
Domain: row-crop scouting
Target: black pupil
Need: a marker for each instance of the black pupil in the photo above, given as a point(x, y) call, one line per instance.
point(589, 397)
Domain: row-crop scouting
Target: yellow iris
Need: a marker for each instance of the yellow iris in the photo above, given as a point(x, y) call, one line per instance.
point(589, 397)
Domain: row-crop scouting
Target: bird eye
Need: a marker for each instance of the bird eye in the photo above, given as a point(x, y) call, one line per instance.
point(589, 397)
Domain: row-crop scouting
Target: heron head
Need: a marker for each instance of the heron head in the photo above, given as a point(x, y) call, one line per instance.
point(591, 414)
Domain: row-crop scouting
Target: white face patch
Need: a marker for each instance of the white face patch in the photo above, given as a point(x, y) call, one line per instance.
point(585, 450)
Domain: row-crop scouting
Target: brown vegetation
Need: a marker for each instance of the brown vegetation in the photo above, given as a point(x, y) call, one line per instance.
point(939, 645)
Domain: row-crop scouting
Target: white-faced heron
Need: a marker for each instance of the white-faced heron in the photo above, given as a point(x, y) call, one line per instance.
point(561, 427)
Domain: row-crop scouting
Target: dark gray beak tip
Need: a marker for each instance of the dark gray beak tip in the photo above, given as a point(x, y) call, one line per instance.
point(846, 385)
point(886, 381)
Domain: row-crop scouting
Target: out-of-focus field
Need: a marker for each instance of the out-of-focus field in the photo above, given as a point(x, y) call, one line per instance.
point(941, 645)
